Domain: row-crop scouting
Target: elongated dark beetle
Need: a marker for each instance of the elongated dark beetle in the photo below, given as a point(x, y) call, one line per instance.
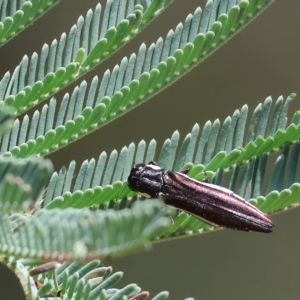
point(209, 202)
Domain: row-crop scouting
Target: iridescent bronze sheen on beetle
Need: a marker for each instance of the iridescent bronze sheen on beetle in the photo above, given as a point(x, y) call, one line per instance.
point(209, 202)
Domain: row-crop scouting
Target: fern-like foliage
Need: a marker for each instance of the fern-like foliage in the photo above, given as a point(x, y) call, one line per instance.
point(22, 182)
point(65, 235)
point(80, 219)
point(18, 14)
point(129, 84)
point(233, 146)
point(78, 281)
point(88, 43)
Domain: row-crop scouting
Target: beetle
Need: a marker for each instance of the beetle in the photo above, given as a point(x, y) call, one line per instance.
point(211, 203)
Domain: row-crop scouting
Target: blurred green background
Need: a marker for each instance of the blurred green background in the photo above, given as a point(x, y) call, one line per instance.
point(262, 60)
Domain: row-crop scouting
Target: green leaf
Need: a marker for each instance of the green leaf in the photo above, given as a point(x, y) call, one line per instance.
point(70, 234)
point(6, 119)
point(22, 182)
point(72, 48)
